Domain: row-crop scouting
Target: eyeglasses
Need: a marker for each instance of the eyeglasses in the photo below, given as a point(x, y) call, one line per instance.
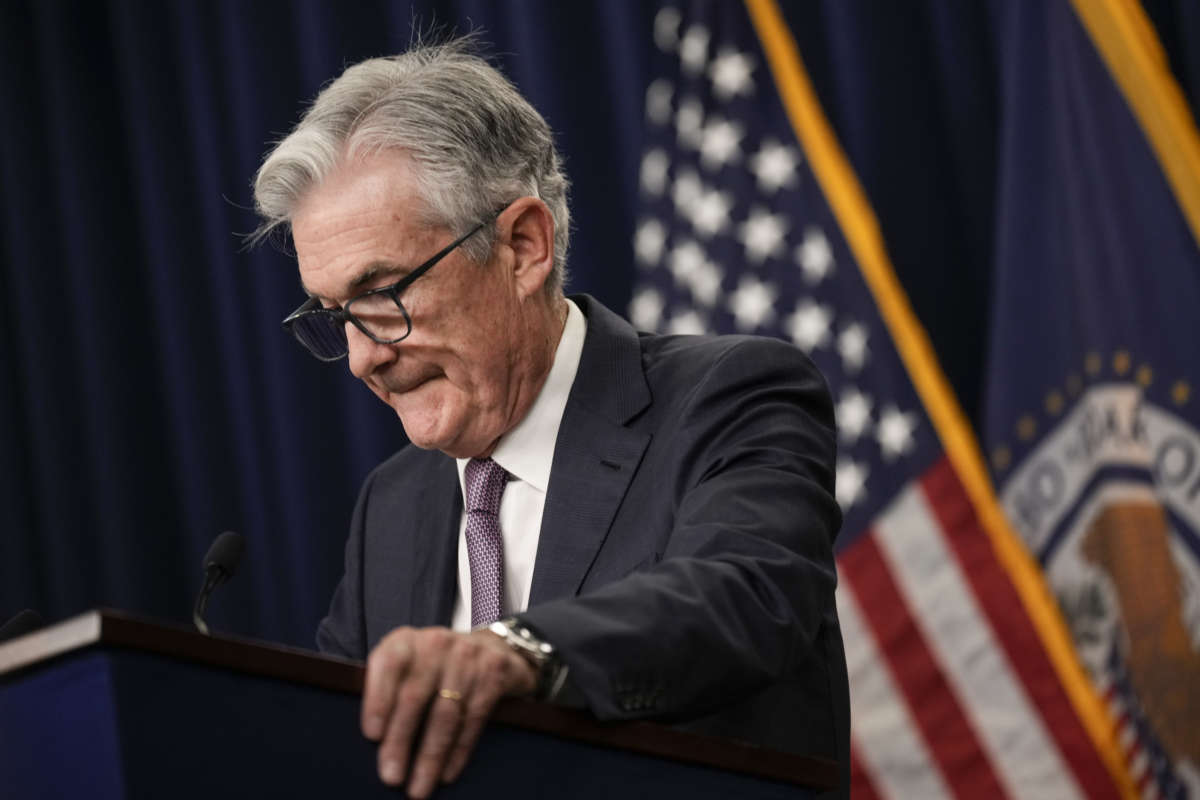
point(378, 313)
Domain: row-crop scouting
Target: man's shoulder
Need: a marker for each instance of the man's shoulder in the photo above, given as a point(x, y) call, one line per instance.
point(711, 348)
point(695, 358)
point(674, 368)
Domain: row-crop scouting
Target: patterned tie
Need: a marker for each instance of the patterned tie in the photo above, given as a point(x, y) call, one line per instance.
point(485, 547)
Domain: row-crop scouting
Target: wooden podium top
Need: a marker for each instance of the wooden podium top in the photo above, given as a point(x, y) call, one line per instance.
point(115, 629)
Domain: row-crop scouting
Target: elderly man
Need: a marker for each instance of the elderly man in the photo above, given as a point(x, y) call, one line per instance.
point(638, 524)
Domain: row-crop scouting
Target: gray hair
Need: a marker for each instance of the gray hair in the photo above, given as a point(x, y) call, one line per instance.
point(475, 142)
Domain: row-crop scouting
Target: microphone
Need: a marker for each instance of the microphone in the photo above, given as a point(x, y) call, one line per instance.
point(219, 566)
point(24, 622)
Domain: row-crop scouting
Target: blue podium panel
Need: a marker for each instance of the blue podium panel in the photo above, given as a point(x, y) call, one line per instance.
point(43, 716)
point(111, 723)
point(114, 724)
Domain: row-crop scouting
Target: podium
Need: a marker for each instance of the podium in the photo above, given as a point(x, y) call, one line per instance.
point(105, 705)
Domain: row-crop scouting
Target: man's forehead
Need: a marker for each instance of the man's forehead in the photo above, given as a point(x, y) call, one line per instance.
point(359, 225)
point(382, 186)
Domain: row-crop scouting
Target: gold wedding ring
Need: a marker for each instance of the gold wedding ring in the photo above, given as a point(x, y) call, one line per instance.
point(450, 694)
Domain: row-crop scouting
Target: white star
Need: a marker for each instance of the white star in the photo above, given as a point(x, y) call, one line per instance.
point(853, 413)
point(852, 346)
point(693, 50)
point(658, 101)
point(809, 325)
point(895, 432)
point(710, 212)
point(645, 310)
point(753, 303)
point(730, 74)
point(814, 255)
point(685, 258)
point(775, 166)
point(850, 479)
point(689, 121)
point(686, 191)
point(666, 29)
point(655, 164)
point(720, 143)
point(688, 322)
point(762, 234)
point(705, 282)
point(691, 268)
point(649, 241)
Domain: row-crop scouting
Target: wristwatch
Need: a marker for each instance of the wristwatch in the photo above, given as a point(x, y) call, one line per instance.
point(541, 655)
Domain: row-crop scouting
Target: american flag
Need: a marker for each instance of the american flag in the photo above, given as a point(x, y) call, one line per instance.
point(962, 682)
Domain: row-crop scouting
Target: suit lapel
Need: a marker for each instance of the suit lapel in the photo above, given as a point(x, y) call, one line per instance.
point(595, 456)
point(435, 547)
point(593, 466)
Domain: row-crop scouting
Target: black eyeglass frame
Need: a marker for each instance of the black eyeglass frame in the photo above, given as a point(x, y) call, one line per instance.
point(342, 315)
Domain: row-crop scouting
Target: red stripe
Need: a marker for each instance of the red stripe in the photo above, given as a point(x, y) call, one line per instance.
point(861, 785)
point(998, 598)
point(931, 700)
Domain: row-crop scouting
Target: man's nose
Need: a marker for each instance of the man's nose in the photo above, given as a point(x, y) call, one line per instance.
point(365, 354)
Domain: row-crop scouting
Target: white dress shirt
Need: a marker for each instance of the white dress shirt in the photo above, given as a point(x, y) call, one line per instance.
point(526, 452)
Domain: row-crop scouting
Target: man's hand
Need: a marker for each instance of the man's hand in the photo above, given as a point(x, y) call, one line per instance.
point(453, 681)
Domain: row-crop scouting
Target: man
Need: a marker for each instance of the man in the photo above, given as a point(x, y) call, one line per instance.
point(639, 524)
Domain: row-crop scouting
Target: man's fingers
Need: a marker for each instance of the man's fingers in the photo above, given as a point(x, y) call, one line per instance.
point(386, 668)
point(468, 734)
point(412, 697)
point(443, 682)
point(491, 684)
point(443, 724)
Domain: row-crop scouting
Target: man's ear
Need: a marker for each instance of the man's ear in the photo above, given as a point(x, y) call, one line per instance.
point(527, 227)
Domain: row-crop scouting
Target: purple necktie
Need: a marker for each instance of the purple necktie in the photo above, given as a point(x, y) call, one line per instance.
point(485, 547)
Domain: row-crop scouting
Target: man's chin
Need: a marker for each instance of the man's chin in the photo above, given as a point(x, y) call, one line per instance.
point(423, 428)
point(421, 436)
point(456, 444)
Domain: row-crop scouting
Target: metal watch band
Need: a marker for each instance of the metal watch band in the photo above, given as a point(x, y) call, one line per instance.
point(540, 654)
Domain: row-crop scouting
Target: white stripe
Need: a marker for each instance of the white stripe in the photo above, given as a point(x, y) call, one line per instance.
point(1011, 732)
point(885, 734)
point(1138, 766)
point(1127, 738)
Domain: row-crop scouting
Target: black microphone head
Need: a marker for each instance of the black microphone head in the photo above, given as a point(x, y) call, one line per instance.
point(24, 622)
point(225, 553)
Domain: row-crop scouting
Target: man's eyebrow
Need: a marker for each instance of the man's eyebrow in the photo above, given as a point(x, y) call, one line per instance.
point(374, 271)
point(370, 274)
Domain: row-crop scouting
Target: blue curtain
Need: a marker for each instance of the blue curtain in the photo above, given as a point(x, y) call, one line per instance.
point(149, 400)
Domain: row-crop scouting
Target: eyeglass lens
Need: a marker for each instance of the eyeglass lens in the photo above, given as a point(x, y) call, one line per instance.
point(381, 315)
point(322, 334)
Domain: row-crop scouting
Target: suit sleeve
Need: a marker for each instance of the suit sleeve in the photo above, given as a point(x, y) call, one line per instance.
point(343, 630)
point(746, 580)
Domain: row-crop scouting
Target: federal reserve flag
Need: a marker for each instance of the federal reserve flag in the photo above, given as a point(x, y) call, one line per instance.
point(1093, 427)
point(964, 682)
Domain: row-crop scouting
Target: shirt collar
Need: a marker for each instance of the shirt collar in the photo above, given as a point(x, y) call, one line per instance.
point(527, 451)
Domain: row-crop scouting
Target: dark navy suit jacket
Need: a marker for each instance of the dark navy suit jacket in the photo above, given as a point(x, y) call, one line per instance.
point(685, 567)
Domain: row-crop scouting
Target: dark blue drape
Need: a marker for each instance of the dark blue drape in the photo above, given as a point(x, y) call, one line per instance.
point(148, 399)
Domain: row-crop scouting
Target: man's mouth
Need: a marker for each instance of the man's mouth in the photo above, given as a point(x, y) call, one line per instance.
point(406, 386)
